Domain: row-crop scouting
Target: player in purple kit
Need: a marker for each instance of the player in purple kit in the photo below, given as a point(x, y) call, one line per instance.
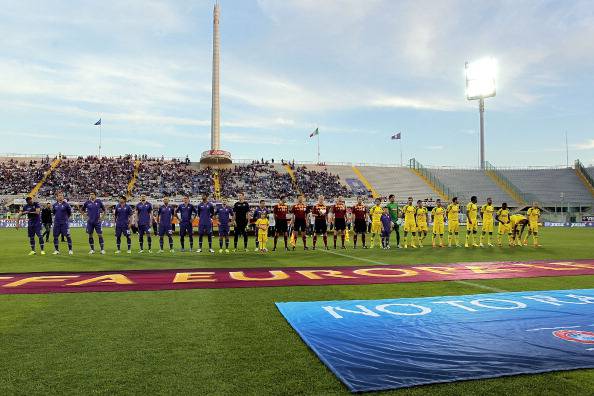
point(224, 215)
point(205, 212)
point(62, 212)
point(185, 213)
point(144, 211)
point(122, 213)
point(164, 216)
point(257, 214)
point(387, 225)
point(33, 212)
point(93, 208)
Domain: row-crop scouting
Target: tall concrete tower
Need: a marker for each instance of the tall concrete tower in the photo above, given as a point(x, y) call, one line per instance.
point(215, 155)
point(215, 127)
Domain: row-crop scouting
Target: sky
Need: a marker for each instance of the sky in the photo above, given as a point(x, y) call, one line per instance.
point(357, 70)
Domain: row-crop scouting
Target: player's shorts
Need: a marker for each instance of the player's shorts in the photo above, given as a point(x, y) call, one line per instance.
point(299, 225)
point(224, 230)
point(488, 226)
point(185, 229)
point(472, 227)
point(533, 226)
point(410, 226)
point(438, 228)
point(94, 226)
point(504, 228)
point(376, 228)
point(386, 232)
point(240, 227)
point(360, 226)
point(144, 229)
point(281, 226)
point(453, 226)
point(320, 226)
point(34, 229)
point(61, 229)
point(204, 229)
point(119, 230)
point(165, 229)
point(422, 227)
point(340, 224)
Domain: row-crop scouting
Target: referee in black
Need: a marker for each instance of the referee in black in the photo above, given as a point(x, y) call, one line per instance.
point(46, 220)
point(241, 211)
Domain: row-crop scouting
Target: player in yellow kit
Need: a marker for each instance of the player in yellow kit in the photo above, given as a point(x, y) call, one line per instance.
point(517, 223)
point(453, 211)
point(421, 216)
point(262, 226)
point(487, 211)
point(504, 227)
point(438, 216)
point(533, 219)
point(376, 221)
point(410, 222)
point(471, 221)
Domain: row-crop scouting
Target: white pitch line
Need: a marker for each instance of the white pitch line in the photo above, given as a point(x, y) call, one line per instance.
point(467, 283)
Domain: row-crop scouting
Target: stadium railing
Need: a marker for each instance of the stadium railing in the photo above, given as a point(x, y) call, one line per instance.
point(584, 175)
point(521, 197)
point(445, 192)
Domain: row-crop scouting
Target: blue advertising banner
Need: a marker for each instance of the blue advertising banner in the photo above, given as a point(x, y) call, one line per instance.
point(387, 344)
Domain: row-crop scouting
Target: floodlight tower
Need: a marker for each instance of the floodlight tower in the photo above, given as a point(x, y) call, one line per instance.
point(480, 84)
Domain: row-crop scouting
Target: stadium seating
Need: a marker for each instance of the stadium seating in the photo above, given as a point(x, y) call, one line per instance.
point(468, 182)
point(110, 177)
point(78, 177)
point(19, 176)
point(397, 180)
point(550, 186)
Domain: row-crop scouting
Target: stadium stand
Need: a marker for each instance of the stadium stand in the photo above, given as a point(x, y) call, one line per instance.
point(78, 177)
point(158, 177)
point(257, 180)
point(550, 186)
point(469, 182)
point(397, 180)
point(313, 182)
point(133, 175)
point(19, 176)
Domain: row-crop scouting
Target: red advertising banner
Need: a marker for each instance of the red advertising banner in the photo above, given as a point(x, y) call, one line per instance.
point(204, 278)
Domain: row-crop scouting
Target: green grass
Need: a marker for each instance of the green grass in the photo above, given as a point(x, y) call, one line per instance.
point(226, 341)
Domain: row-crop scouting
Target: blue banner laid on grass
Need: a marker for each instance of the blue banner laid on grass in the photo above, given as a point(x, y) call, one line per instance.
point(387, 344)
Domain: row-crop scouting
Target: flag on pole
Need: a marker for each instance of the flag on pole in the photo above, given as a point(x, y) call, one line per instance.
point(397, 136)
point(98, 122)
point(314, 133)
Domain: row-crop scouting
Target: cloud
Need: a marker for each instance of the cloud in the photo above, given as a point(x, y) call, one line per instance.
point(587, 145)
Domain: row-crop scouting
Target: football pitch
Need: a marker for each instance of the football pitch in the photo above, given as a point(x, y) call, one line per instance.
point(229, 341)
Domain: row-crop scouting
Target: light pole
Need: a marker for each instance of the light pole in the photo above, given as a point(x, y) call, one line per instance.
point(480, 84)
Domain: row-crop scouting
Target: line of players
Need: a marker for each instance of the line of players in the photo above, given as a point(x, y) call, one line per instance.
point(382, 220)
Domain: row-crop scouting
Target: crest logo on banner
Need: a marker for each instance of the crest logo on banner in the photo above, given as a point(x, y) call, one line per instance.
point(581, 336)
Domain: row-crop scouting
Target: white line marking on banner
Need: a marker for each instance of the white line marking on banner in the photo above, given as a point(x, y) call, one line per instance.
point(467, 283)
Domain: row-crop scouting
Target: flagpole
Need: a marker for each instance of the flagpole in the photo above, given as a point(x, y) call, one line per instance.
point(99, 140)
point(318, 146)
point(400, 150)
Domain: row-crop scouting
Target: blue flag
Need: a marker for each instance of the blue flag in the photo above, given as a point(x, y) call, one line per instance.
point(98, 122)
point(397, 136)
